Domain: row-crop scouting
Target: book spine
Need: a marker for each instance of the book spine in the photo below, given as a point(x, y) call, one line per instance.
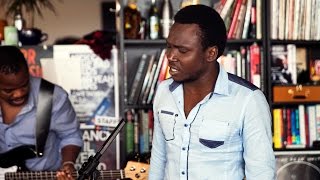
point(253, 20)
point(225, 9)
point(156, 77)
point(255, 65)
point(234, 19)
point(259, 19)
point(277, 128)
point(302, 124)
point(137, 79)
point(241, 19)
point(129, 132)
point(317, 122)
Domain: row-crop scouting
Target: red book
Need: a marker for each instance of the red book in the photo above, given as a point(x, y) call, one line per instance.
point(289, 134)
point(163, 70)
point(255, 62)
point(234, 19)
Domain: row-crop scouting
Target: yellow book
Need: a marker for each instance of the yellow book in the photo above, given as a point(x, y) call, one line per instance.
point(277, 128)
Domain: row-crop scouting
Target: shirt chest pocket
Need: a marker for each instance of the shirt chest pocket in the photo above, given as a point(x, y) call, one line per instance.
point(213, 134)
point(167, 122)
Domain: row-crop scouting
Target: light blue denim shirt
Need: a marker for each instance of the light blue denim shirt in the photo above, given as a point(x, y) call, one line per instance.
point(64, 129)
point(226, 136)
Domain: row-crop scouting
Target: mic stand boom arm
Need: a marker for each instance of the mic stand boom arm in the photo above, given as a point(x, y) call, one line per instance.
point(88, 169)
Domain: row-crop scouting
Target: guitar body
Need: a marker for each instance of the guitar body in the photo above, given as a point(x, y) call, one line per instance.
point(17, 157)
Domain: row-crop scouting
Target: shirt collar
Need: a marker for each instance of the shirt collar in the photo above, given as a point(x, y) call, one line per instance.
point(222, 83)
point(221, 86)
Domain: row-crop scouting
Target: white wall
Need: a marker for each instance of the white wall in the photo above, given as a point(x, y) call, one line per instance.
point(73, 18)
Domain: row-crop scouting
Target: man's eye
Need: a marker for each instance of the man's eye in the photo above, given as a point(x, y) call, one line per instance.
point(7, 91)
point(183, 50)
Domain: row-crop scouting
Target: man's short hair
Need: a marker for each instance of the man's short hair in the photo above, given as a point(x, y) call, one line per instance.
point(212, 27)
point(11, 60)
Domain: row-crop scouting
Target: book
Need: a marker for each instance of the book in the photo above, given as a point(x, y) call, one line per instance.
point(253, 20)
point(277, 128)
point(226, 8)
point(317, 122)
point(240, 21)
point(243, 61)
point(255, 65)
point(229, 16)
point(301, 64)
point(292, 65)
point(147, 76)
point(150, 81)
point(289, 130)
point(234, 19)
point(138, 80)
point(163, 70)
point(311, 110)
point(284, 133)
point(247, 20)
point(144, 131)
point(282, 19)
point(302, 122)
point(156, 76)
point(129, 131)
point(314, 65)
point(274, 22)
point(228, 61)
point(280, 73)
point(125, 77)
point(259, 19)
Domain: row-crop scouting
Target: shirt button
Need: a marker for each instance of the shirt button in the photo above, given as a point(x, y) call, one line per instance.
point(184, 148)
point(182, 172)
point(185, 125)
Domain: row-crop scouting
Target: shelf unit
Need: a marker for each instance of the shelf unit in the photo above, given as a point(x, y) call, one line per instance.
point(308, 44)
point(134, 49)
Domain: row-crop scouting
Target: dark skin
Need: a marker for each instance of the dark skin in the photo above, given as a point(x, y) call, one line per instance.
point(14, 90)
point(191, 64)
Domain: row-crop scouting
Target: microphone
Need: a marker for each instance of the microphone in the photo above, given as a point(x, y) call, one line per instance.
point(89, 168)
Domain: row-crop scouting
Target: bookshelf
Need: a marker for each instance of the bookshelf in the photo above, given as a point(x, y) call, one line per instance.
point(301, 94)
point(132, 49)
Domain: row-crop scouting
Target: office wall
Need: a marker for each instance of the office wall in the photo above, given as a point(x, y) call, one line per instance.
point(73, 18)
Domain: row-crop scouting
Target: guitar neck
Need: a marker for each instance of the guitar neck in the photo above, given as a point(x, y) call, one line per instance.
point(110, 174)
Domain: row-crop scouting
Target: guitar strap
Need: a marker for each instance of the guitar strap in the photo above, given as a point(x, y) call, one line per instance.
point(43, 116)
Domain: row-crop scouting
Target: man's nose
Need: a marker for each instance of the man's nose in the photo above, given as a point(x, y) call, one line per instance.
point(171, 54)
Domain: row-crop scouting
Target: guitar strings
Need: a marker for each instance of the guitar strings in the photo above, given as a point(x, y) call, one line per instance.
point(50, 174)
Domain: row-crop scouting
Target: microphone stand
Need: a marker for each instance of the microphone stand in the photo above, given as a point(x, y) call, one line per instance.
point(88, 169)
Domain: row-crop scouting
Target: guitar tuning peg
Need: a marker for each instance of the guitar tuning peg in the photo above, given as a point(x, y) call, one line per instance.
point(132, 168)
point(143, 170)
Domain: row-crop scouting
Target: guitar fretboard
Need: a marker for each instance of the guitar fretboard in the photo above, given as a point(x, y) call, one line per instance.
point(49, 175)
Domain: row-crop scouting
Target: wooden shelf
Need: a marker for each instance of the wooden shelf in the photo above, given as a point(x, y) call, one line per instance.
point(157, 42)
point(297, 42)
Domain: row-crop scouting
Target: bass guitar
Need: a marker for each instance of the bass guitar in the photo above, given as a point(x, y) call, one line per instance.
point(16, 169)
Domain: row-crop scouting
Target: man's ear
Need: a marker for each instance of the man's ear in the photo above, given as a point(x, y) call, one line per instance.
point(212, 53)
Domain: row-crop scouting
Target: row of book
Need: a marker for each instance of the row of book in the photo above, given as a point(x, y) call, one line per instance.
point(296, 127)
point(245, 62)
point(138, 131)
point(295, 19)
point(152, 69)
point(292, 65)
point(242, 18)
